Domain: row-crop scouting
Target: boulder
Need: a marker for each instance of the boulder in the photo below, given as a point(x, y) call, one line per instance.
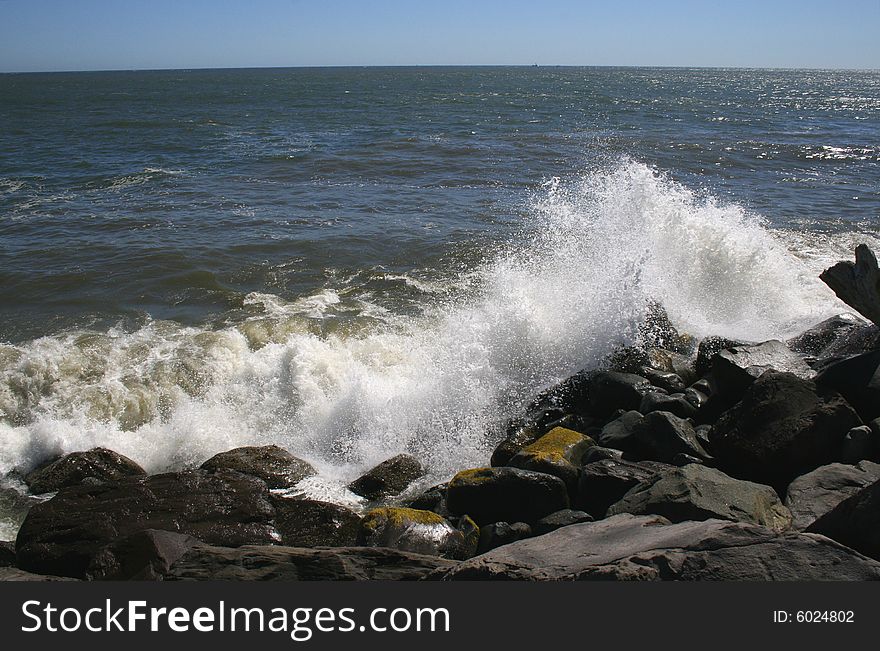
point(781, 429)
point(668, 361)
point(143, 556)
point(818, 338)
point(99, 464)
point(695, 492)
point(858, 380)
point(857, 284)
point(619, 433)
point(734, 369)
point(275, 466)
point(609, 391)
point(598, 453)
point(420, 532)
point(628, 547)
point(502, 533)
point(433, 499)
point(7, 553)
point(855, 522)
point(312, 523)
point(391, 477)
point(278, 563)
point(813, 495)
point(559, 519)
point(859, 444)
point(516, 440)
point(558, 453)
point(665, 380)
point(708, 348)
point(603, 483)
point(676, 404)
point(661, 436)
point(62, 535)
point(505, 495)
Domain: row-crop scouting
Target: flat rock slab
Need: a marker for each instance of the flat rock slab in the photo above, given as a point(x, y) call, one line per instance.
point(628, 547)
point(813, 495)
point(276, 563)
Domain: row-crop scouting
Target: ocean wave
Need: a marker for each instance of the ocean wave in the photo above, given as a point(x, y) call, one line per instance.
point(574, 286)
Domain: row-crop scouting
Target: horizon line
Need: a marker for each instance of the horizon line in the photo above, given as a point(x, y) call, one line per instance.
point(434, 65)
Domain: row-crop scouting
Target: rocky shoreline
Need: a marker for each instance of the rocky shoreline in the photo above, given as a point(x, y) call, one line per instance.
point(677, 460)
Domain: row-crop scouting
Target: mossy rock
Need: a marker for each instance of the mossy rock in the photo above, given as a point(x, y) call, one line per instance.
point(505, 494)
point(422, 532)
point(559, 453)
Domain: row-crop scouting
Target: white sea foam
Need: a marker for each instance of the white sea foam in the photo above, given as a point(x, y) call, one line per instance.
point(574, 286)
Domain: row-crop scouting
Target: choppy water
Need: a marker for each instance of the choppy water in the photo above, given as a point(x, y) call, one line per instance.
point(356, 262)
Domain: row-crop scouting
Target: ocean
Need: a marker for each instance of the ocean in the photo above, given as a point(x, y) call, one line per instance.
point(357, 262)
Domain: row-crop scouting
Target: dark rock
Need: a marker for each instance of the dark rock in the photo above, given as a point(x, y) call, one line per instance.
point(860, 340)
point(505, 495)
point(7, 554)
point(675, 404)
point(501, 533)
point(143, 556)
point(682, 460)
point(855, 522)
point(813, 495)
point(559, 519)
point(598, 453)
point(312, 523)
point(696, 492)
point(627, 547)
point(433, 499)
point(277, 563)
point(275, 466)
point(391, 477)
point(63, 534)
point(72, 469)
point(734, 369)
point(657, 331)
point(15, 574)
point(610, 390)
point(858, 380)
point(708, 348)
point(661, 436)
point(603, 483)
point(670, 382)
point(782, 429)
point(14, 507)
point(857, 284)
point(619, 433)
point(667, 361)
point(559, 453)
point(819, 337)
point(696, 398)
point(420, 532)
point(858, 444)
point(513, 443)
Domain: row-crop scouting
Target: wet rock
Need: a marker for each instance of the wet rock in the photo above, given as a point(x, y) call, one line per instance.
point(7, 554)
point(619, 433)
point(433, 499)
point(858, 444)
point(708, 348)
point(661, 436)
point(143, 556)
point(675, 404)
point(421, 532)
point(819, 337)
point(813, 495)
point(558, 453)
point(696, 492)
point(670, 382)
point(559, 519)
point(668, 361)
point(734, 369)
point(855, 522)
point(505, 495)
point(502, 533)
point(609, 391)
point(657, 331)
point(598, 453)
point(782, 429)
point(857, 284)
point(62, 535)
point(628, 547)
point(312, 523)
point(73, 469)
point(391, 477)
point(858, 380)
point(275, 466)
point(603, 483)
point(513, 443)
point(278, 563)
point(695, 397)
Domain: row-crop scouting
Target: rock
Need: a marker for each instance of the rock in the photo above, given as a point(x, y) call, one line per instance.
point(277, 563)
point(855, 522)
point(63, 534)
point(72, 469)
point(391, 477)
point(708, 348)
point(657, 331)
point(858, 444)
point(661, 436)
point(859, 340)
point(603, 483)
point(782, 429)
point(813, 495)
point(857, 284)
point(312, 523)
point(858, 380)
point(734, 369)
point(675, 404)
point(628, 547)
point(598, 453)
point(668, 361)
point(609, 391)
point(15, 574)
point(670, 382)
point(143, 556)
point(433, 499)
point(505, 495)
point(819, 337)
point(696, 398)
point(559, 519)
point(420, 532)
point(275, 466)
point(7, 554)
point(696, 492)
point(558, 453)
point(513, 443)
point(501, 533)
point(619, 433)
point(14, 507)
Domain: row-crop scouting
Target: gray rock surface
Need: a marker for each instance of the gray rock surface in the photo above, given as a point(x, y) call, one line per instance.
point(813, 495)
point(99, 464)
point(275, 466)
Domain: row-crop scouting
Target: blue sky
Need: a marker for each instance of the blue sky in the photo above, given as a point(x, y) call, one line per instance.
point(131, 34)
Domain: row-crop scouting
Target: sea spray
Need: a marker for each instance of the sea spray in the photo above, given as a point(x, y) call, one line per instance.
point(571, 288)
